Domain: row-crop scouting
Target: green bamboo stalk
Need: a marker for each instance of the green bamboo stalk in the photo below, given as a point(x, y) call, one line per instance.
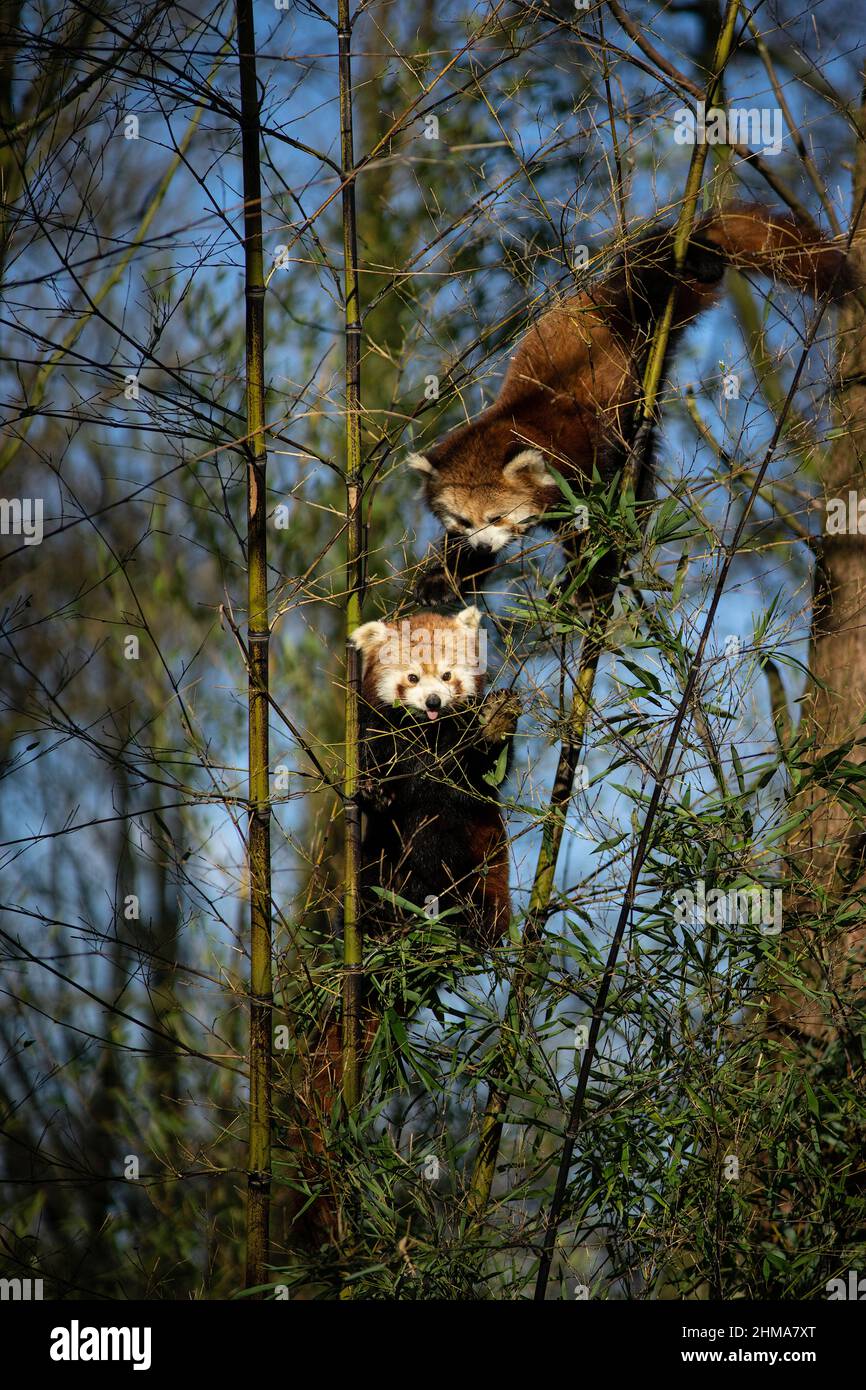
point(258, 636)
point(645, 414)
point(685, 222)
point(491, 1125)
point(352, 937)
point(490, 1133)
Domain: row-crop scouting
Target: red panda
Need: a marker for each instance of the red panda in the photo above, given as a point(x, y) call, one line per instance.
point(570, 390)
point(434, 825)
point(434, 831)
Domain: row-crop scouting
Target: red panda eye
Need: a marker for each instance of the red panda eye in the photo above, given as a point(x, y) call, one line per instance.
point(412, 679)
point(463, 521)
point(446, 675)
point(495, 520)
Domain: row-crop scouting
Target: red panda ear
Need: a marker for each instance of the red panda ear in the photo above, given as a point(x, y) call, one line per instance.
point(470, 617)
point(369, 637)
point(528, 461)
point(473, 648)
point(420, 463)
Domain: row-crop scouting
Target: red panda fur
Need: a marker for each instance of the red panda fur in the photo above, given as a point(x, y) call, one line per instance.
point(569, 392)
point(434, 828)
point(434, 825)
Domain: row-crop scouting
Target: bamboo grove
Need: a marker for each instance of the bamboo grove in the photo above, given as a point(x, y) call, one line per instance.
point(254, 255)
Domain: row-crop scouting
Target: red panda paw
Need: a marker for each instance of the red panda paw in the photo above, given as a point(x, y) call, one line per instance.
point(435, 586)
point(371, 795)
point(498, 715)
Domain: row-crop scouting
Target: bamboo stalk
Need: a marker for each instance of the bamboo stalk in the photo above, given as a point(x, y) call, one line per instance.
point(652, 384)
point(258, 635)
point(490, 1133)
point(352, 937)
point(491, 1125)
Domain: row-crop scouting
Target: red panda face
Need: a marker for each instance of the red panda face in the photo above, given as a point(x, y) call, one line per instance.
point(489, 507)
point(427, 663)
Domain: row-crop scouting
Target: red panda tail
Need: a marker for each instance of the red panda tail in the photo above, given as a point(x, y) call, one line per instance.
point(779, 245)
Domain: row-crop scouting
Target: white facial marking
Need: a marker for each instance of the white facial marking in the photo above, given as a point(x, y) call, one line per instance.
point(484, 531)
point(492, 537)
point(513, 520)
point(429, 654)
point(520, 514)
point(389, 680)
point(416, 696)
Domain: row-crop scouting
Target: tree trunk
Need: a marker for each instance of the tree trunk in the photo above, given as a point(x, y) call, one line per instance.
point(825, 853)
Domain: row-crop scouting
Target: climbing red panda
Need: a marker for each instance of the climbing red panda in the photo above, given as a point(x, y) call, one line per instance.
point(434, 751)
point(570, 390)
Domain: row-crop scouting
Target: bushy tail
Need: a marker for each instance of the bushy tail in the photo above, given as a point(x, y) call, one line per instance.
point(777, 244)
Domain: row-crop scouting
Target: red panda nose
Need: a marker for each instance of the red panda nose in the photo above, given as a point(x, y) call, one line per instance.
point(433, 702)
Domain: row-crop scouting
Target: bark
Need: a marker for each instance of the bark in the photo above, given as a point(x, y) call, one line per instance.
point(826, 854)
